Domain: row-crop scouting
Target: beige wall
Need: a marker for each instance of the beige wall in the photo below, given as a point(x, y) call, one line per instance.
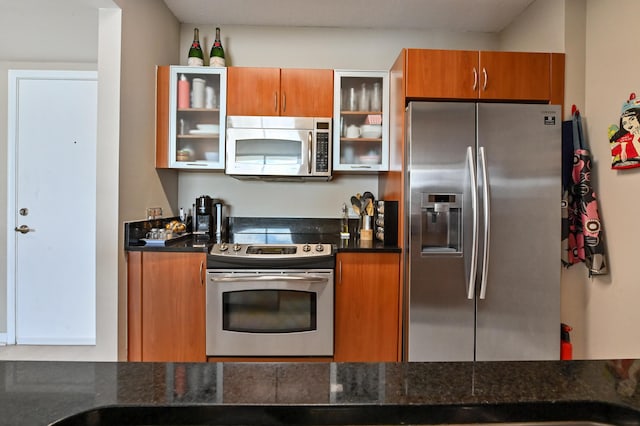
point(49, 32)
point(539, 28)
point(606, 312)
point(150, 38)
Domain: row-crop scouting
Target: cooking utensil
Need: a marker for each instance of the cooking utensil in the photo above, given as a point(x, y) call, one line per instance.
point(367, 207)
point(367, 203)
point(356, 205)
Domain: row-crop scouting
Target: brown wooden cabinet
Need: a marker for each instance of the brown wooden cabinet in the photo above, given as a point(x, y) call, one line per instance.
point(367, 307)
point(276, 91)
point(166, 306)
point(461, 74)
point(440, 74)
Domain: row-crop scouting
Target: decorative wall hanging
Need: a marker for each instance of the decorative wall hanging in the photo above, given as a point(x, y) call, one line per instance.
point(582, 234)
point(624, 138)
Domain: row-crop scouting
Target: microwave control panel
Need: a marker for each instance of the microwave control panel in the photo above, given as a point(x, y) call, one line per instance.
point(322, 152)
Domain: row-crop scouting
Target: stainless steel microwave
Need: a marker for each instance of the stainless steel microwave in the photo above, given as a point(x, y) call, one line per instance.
point(278, 147)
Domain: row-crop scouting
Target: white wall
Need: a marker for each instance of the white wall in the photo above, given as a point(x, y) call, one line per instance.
point(296, 47)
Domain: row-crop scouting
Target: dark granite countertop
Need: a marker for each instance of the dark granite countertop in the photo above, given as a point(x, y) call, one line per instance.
point(259, 230)
point(38, 393)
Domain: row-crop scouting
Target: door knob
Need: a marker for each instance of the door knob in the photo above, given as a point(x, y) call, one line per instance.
point(23, 229)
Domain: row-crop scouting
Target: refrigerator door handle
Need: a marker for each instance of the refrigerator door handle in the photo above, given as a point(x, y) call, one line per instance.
point(482, 156)
point(473, 270)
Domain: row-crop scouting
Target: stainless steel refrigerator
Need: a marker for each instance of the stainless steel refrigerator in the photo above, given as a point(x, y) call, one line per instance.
point(483, 196)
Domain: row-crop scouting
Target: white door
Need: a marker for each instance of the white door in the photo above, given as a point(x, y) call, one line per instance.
point(52, 207)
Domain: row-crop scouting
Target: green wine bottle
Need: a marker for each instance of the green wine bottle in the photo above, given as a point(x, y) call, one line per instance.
point(216, 58)
point(196, 58)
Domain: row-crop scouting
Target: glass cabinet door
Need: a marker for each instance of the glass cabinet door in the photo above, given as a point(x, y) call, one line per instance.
point(197, 117)
point(361, 121)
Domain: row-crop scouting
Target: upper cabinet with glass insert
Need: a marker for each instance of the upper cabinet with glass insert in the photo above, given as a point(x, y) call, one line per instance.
point(361, 121)
point(191, 117)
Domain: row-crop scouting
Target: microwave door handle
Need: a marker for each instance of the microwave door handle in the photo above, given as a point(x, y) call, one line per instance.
point(310, 152)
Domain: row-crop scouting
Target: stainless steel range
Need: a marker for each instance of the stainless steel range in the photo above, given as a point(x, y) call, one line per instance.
point(270, 300)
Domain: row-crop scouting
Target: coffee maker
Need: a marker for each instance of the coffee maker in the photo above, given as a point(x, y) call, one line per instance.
point(210, 218)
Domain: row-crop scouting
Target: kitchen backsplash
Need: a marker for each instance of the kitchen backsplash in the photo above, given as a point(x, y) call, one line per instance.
point(274, 199)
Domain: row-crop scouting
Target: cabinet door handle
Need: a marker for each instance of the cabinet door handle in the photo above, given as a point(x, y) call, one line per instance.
point(284, 102)
point(475, 78)
point(201, 270)
point(340, 272)
point(486, 79)
point(275, 102)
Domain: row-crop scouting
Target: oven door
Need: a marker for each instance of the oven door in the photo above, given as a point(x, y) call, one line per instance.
point(269, 313)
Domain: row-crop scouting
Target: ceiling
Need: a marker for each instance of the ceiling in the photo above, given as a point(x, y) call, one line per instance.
point(452, 15)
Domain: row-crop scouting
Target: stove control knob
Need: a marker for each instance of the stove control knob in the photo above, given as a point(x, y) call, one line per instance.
point(306, 248)
point(223, 247)
point(237, 247)
point(320, 248)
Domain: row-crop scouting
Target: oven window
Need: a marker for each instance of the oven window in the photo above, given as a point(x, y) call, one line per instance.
point(269, 311)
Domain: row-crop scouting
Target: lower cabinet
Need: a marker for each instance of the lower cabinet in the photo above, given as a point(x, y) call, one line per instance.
point(367, 307)
point(166, 306)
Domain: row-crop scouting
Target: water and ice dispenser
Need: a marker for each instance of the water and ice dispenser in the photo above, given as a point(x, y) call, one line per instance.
point(441, 223)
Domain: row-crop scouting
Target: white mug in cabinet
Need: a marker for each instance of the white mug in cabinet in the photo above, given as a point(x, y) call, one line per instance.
point(198, 93)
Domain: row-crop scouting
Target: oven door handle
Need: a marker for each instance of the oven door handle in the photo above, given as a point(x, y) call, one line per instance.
point(297, 278)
